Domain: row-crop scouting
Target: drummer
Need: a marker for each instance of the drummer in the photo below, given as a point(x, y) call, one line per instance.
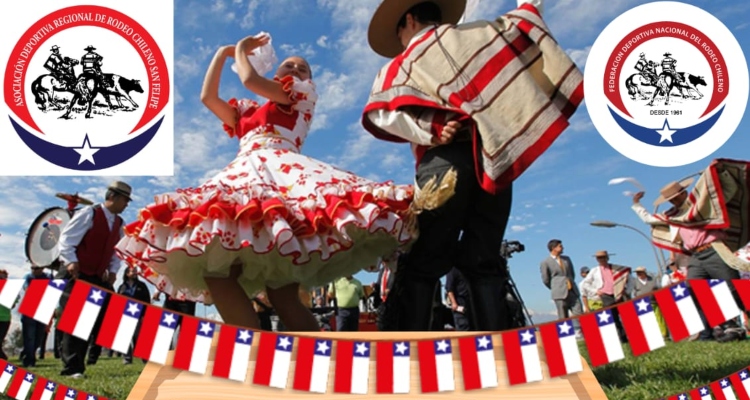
point(87, 251)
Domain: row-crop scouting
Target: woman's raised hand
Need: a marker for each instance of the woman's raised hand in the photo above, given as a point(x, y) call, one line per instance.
point(251, 43)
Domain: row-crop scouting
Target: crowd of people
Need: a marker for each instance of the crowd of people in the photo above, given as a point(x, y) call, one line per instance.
point(694, 255)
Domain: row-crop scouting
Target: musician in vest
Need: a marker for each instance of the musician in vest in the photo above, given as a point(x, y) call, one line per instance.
point(476, 116)
point(87, 247)
point(612, 283)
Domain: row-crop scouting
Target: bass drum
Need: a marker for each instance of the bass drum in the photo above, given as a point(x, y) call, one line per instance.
point(42, 239)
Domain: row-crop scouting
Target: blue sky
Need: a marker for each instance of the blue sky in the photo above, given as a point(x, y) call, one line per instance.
point(557, 197)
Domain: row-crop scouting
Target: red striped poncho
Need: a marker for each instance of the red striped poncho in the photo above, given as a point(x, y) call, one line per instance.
point(509, 76)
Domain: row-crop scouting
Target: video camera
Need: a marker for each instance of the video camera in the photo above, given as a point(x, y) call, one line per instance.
point(507, 248)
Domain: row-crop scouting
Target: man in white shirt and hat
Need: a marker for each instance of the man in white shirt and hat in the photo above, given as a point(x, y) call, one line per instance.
point(87, 249)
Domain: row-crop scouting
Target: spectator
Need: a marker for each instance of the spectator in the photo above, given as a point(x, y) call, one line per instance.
point(135, 289)
point(32, 330)
point(347, 292)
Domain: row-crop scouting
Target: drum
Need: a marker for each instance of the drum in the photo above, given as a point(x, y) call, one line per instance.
point(43, 237)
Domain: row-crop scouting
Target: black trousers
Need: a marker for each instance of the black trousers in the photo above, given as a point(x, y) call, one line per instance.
point(466, 232)
point(609, 300)
point(347, 319)
point(709, 265)
point(73, 349)
point(4, 326)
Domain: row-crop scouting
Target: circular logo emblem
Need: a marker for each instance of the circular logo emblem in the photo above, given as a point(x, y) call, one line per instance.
point(666, 91)
point(86, 86)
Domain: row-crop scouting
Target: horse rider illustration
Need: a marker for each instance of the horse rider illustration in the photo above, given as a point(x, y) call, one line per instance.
point(646, 68)
point(57, 66)
point(92, 63)
point(669, 65)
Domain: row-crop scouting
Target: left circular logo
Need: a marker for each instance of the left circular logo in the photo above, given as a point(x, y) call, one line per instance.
point(663, 91)
point(87, 87)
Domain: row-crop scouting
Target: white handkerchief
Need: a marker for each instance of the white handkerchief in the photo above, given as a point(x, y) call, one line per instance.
point(263, 58)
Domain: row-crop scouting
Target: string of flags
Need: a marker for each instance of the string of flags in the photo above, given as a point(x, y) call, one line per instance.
point(721, 389)
point(17, 383)
point(435, 358)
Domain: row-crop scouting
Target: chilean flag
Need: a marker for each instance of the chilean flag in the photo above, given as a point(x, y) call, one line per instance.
point(741, 285)
point(436, 366)
point(66, 393)
point(273, 360)
point(41, 299)
point(157, 330)
point(8, 370)
point(9, 290)
point(82, 309)
point(741, 383)
point(701, 393)
point(313, 365)
point(119, 324)
point(723, 390)
point(478, 362)
point(193, 345)
point(640, 324)
point(43, 390)
point(233, 353)
point(522, 356)
point(352, 367)
point(561, 348)
point(601, 336)
point(393, 367)
point(679, 311)
point(19, 387)
point(716, 300)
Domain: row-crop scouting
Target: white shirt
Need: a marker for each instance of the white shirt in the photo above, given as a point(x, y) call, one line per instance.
point(649, 218)
point(71, 237)
point(399, 122)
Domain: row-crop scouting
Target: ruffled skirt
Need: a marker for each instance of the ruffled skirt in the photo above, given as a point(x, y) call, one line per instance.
point(286, 217)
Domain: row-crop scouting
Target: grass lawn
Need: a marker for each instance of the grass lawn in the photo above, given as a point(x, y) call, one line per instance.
point(677, 367)
point(108, 378)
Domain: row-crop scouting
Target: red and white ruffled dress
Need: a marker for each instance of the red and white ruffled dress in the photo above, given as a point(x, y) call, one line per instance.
point(288, 217)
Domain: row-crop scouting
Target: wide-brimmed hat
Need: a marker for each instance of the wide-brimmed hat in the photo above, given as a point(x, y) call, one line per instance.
point(671, 190)
point(585, 270)
point(382, 32)
point(640, 269)
point(54, 47)
point(121, 188)
point(90, 48)
point(602, 253)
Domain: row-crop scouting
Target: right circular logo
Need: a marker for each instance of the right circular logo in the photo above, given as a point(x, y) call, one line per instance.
point(665, 91)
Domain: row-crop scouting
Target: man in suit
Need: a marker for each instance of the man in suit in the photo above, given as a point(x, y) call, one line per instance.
point(558, 274)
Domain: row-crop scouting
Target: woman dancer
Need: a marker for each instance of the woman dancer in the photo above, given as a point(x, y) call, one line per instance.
point(273, 218)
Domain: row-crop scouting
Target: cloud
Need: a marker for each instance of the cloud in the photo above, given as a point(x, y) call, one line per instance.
point(579, 56)
point(521, 228)
point(581, 20)
point(304, 50)
point(248, 19)
point(323, 42)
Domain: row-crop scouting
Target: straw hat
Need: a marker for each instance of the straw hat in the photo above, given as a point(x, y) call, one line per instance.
point(602, 253)
point(640, 269)
point(121, 188)
point(382, 33)
point(672, 190)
